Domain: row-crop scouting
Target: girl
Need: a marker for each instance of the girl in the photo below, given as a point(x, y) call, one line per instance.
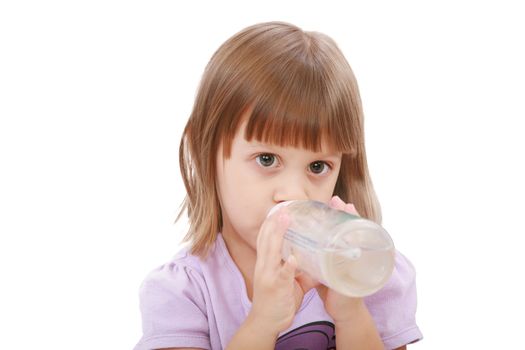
point(277, 117)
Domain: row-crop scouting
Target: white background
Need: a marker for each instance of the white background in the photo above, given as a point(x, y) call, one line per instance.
point(93, 99)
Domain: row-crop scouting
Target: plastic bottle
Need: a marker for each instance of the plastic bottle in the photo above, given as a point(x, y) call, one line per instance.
point(349, 254)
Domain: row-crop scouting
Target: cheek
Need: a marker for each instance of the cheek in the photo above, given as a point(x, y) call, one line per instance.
point(325, 191)
point(242, 197)
point(247, 183)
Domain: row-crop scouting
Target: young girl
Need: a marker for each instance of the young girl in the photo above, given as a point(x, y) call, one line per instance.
point(277, 117)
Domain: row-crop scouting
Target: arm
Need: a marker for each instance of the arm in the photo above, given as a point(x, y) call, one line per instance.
point(358, 331)
point(252, 336)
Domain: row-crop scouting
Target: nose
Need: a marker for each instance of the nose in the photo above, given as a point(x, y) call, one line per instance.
point(290, 187)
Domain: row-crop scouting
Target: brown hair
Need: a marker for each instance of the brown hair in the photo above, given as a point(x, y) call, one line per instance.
point(300, 90)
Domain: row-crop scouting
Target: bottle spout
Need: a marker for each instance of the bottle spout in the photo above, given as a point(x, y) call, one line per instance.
point(353, 253)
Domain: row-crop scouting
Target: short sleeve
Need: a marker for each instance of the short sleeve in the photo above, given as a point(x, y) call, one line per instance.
point(173, 309)
point(393, 307)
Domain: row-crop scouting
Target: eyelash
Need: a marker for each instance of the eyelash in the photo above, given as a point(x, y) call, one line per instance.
point(277, 158)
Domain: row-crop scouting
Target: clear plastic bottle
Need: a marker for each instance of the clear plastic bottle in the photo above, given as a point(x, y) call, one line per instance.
point(349, 254)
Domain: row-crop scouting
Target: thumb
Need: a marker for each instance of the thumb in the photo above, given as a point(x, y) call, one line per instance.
point(321, 290)
point(306, 282)
point(288, 268)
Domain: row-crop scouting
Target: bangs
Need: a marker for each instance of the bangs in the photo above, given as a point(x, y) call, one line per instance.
point(303, 121)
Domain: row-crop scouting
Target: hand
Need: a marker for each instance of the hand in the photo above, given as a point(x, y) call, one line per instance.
point(339, 306)
point(276, 293)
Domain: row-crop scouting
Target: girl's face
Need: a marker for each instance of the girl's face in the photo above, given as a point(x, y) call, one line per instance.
point(257, 176)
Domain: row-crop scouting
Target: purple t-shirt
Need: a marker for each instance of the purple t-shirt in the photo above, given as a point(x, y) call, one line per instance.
point(188, 302)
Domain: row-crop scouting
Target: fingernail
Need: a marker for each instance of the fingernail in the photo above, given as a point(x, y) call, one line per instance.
point(292, 262)
point(350, 207)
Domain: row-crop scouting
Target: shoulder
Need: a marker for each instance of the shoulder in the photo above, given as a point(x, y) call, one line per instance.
point(180, 275)
point(173, 305)
point(182, 263)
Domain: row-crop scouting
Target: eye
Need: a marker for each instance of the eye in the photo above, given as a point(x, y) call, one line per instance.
point(319, 167)
point(266, 159)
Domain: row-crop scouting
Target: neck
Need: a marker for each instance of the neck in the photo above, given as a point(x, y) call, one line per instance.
point(243, 255)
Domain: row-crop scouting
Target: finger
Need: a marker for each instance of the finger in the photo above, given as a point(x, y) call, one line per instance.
point(262, 242)
point(337, 203)
point(306, 282)
point(275, 239)
point(268, 226)
point(288, 269)
point(321, 290)
point(269, 241)
point(350, 208)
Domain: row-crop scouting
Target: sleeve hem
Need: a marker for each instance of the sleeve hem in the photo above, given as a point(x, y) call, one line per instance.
point(173, 341)
point(407, 336)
